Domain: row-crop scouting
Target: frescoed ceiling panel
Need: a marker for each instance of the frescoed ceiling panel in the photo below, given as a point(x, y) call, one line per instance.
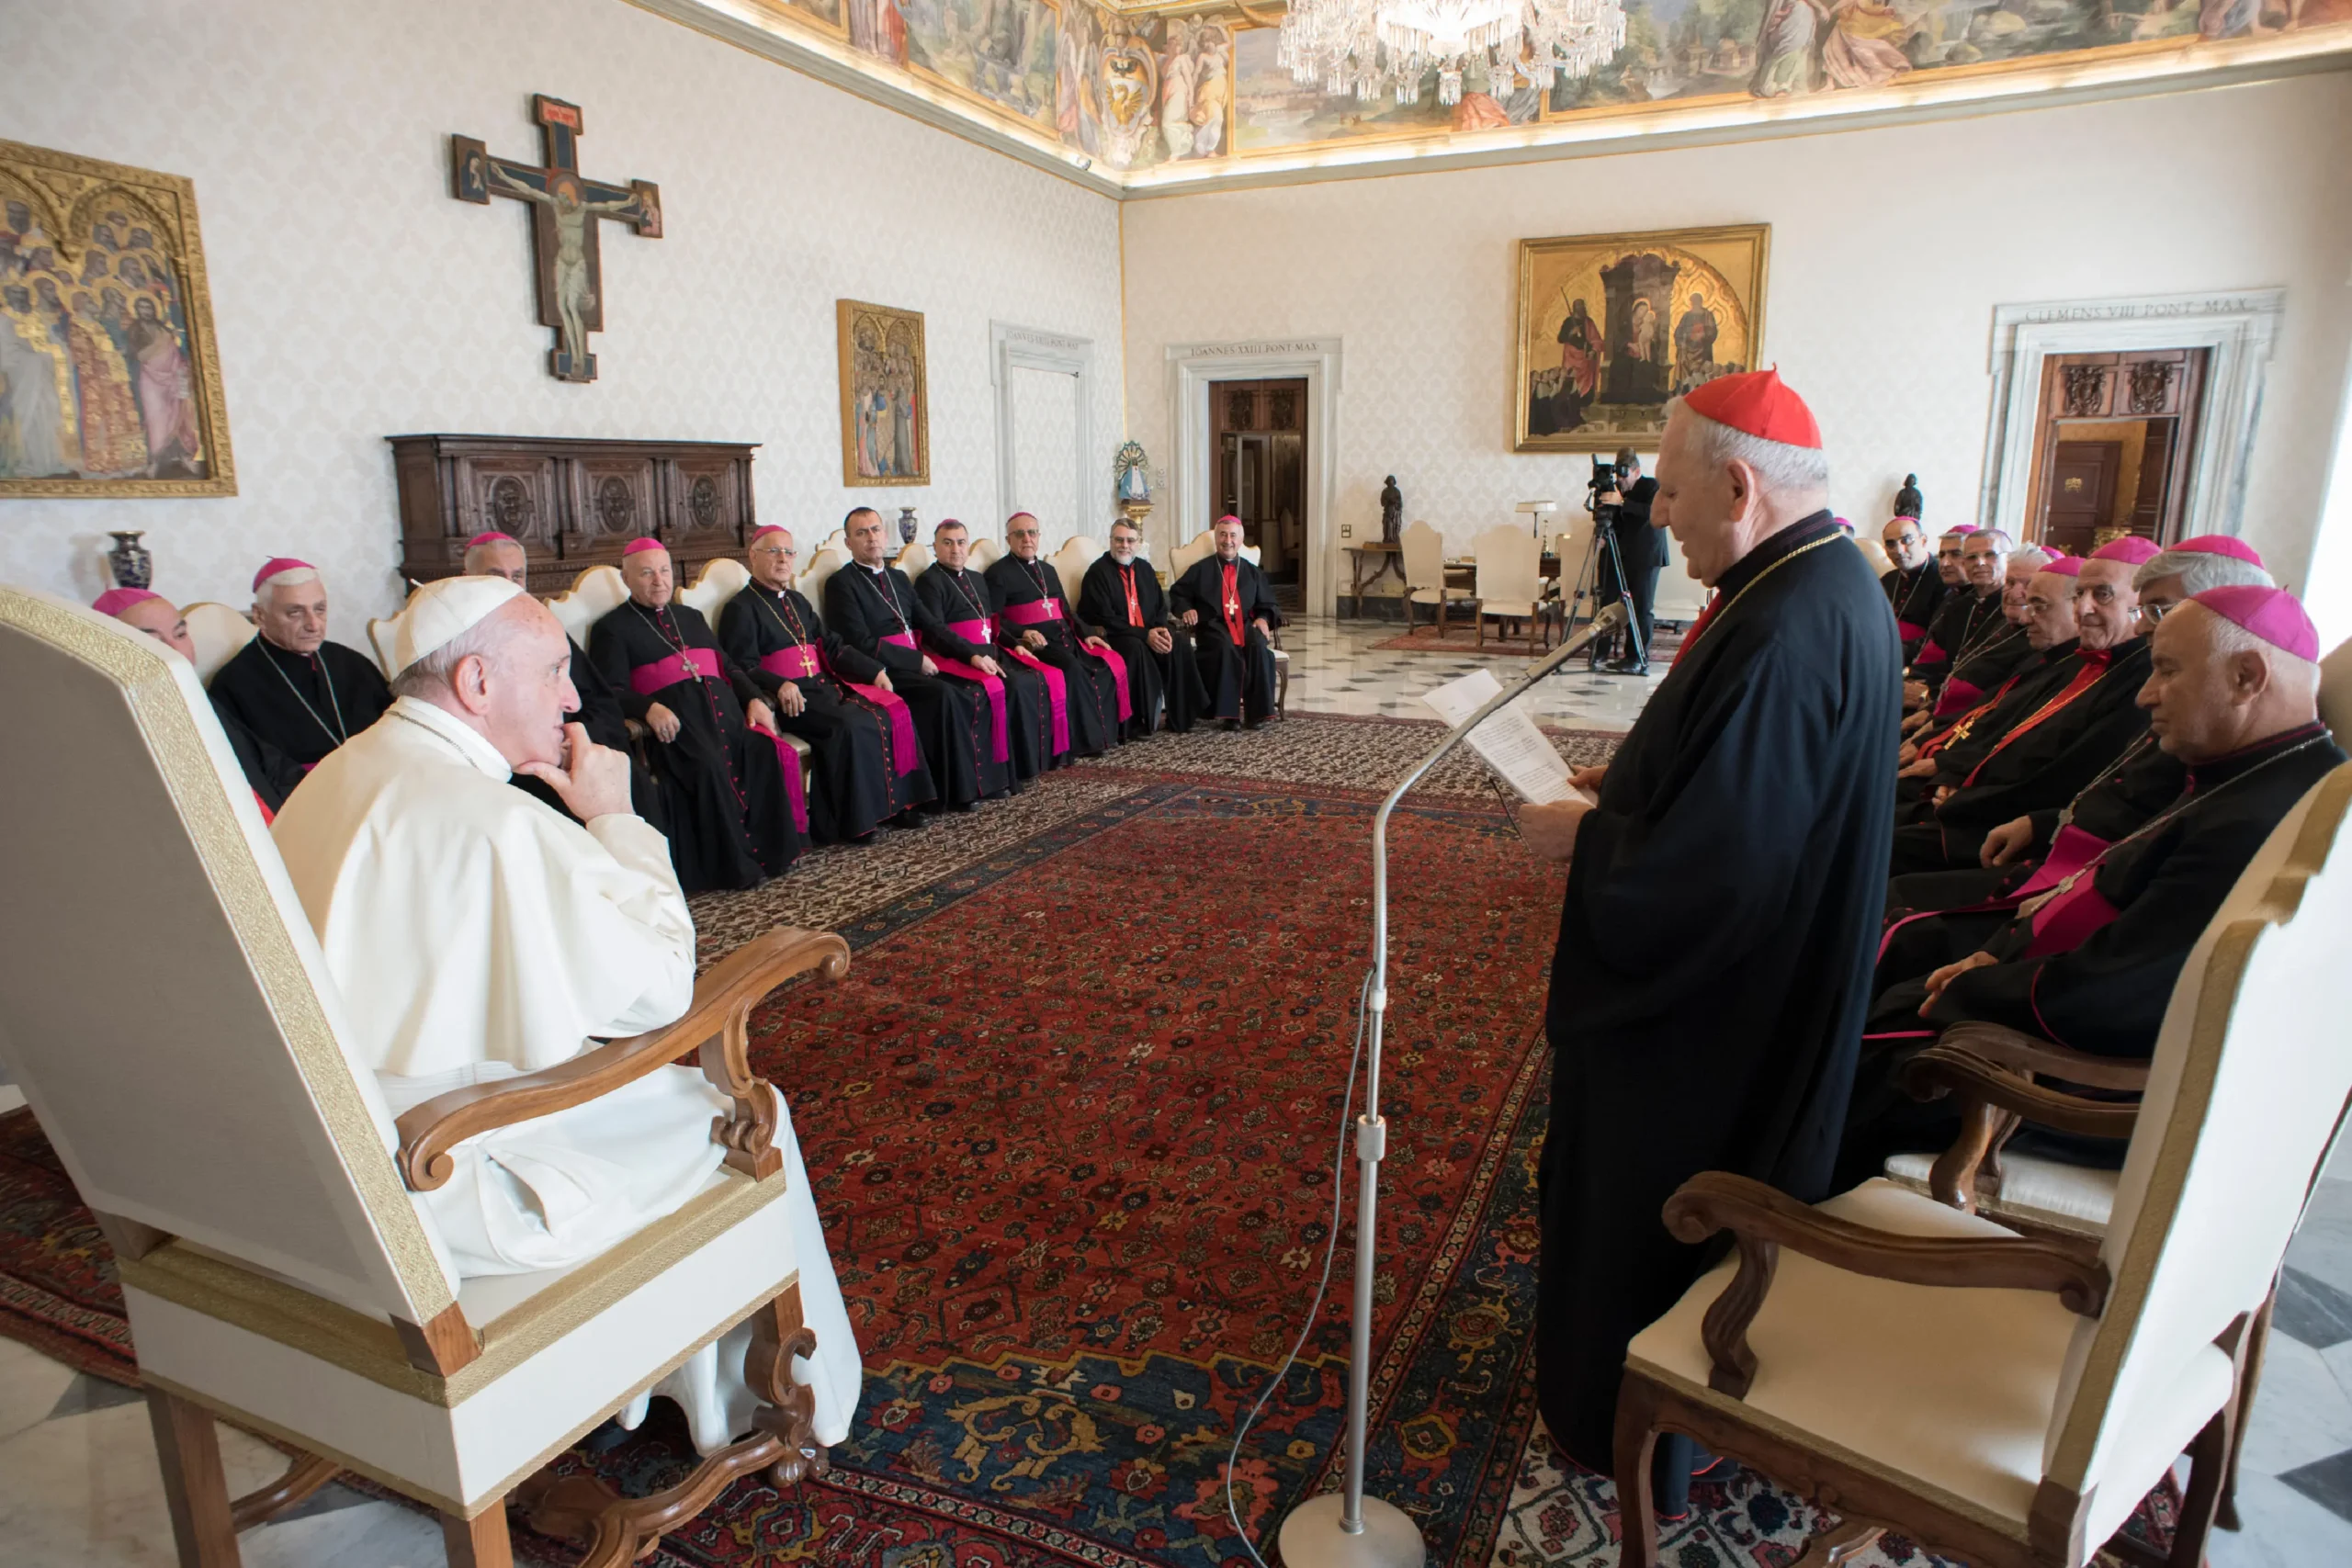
point(1159, 98)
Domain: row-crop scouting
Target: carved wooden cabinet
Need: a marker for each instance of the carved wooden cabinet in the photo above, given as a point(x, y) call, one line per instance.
point(573, 503)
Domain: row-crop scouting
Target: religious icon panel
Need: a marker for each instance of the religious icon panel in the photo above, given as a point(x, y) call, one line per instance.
point(1611, 326)
point(108, 381)
point(886, 396)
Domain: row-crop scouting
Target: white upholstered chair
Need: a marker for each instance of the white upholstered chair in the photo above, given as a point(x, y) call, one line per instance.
point(1196, 548)
point(185, 1053)
point(1070, 563)
point(1874, 552)
point(1510, 580)
point(1424, 553)
point(914, 559)
point(593, 594)
point(815, 570)
point(218, 633)
point(986, 553)
point(2009, 1400)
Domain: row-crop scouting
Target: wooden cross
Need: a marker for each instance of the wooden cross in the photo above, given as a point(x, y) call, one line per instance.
point(564, 209)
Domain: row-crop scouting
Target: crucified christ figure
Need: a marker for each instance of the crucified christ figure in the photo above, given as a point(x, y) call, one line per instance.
point(574, 296)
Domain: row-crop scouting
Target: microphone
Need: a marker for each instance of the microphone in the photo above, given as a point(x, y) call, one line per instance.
point(1347, 1529)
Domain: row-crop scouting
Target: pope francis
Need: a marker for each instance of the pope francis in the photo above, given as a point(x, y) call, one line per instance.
point(476, 933)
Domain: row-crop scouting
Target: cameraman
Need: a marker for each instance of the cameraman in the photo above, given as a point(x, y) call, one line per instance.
point(1642, 550)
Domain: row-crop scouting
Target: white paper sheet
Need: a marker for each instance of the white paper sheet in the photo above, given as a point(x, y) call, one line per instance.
point(1509, 741)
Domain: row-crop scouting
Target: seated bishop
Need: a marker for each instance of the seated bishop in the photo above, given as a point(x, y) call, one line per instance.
point(1972, 608)
point(731, 807)
point(2049, 754)
point(1999, 648)
point(1936, 763)
point(272, 773)
point(494, 554)
point(872, 608)
point(289, 685)
point(1085, 678)
point(1225, 600)
point(1915, 586)
point(1121, 600)
point(475, 934)
point(2090, 962)
point(869, 766)
point(1020, 724)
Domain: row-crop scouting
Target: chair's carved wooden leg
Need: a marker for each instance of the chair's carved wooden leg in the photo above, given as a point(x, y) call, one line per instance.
point(1952, 1179)
point(1637, 1441)
point(480, 1542)
point(1835, 1547)
point(617, 1530)
point(197, 1491)
point(788, 1409)
point(304, 1476)
point(2209, 1459)
point(2257, 1339)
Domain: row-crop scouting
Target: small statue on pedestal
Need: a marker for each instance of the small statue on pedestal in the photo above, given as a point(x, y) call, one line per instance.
point(1131, 482)
point(1908, 501)
point(1392, 511)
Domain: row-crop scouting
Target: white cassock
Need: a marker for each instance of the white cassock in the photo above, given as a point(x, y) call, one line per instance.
point(476, 933)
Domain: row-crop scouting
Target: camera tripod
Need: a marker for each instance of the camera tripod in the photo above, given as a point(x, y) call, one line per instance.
point(1604, 537)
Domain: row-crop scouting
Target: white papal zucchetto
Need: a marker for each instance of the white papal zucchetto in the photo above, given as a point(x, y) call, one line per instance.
point(440, 612)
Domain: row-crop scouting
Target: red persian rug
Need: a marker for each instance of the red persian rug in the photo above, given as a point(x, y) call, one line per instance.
point(1071, 1120)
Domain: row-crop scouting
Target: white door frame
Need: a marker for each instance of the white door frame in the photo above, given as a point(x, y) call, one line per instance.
point(1192, 369)
point(2238, 326)
point(1014, 348)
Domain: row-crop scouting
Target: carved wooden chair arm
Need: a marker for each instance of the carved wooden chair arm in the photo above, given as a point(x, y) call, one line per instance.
point(717, 1024)
point(1942, 1069)
point(1762, 1219)
point(2019, 1051)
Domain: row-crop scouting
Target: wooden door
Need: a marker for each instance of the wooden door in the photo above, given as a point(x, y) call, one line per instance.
point(2082, 493)
point(1260, 469)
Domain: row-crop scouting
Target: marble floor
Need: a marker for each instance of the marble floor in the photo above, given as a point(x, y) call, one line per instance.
point(79, 1487)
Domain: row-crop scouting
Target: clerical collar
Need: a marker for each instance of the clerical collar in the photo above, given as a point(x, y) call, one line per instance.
point(1787, 542)
point(469, 744)
point(2209, 775)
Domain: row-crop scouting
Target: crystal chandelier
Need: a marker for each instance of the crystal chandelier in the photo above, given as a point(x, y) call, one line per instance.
point(1368, 47)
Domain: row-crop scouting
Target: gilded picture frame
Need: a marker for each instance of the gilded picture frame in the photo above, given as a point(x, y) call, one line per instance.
point(103, 285)
point(886, 395)
point(1610, 327)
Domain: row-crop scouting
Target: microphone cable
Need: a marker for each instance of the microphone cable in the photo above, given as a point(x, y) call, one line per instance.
point(1331, 1252)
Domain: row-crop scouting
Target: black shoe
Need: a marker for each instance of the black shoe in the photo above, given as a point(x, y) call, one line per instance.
point(1230, 724)
point(968, 806)
point(1627, 667)
point(911, 818)
point(1253, 724)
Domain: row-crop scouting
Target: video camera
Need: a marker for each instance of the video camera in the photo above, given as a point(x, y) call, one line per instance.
point(1604, 482)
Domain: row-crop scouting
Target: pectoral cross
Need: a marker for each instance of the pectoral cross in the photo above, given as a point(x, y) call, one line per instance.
point(1233, 609)
point(564, 209)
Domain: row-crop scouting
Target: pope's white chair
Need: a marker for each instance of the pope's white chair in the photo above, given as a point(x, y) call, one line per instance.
point(2008, 1400)
point(986, 553)
point(217, 632)
point(1510, 581)
point(914, 559)
point(277, 1266)
point(721, 579)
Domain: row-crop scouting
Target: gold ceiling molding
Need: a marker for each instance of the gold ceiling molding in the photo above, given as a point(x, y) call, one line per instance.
point(1142, 99)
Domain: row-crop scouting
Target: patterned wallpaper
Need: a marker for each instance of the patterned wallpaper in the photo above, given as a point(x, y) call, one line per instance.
point(355, 299)
point(1889, 250)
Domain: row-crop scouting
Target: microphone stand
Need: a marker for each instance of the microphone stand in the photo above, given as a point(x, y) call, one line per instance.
point(1347, 1529)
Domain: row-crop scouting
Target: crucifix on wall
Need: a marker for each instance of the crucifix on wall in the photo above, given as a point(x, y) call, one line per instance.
point(564, 209)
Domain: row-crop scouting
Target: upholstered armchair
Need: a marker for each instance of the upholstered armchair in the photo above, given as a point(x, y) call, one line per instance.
point(184, 1051)
point(1510, 580)
point(219, 632)
point(1424, 552)
point(2008, 1399)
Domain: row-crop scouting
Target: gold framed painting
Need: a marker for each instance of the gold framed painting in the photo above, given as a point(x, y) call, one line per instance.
point(886, 396)
point(109, 374)
point(1611, 326)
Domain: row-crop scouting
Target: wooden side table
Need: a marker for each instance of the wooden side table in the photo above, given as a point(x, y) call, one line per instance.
point(1371, 563)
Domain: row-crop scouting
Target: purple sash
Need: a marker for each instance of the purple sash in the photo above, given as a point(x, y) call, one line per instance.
point(2070, 852)
point(800, 661)
point(978, 631)
point(2067, 921)
point(1911, 631)
point(1038, 612)
point(1932, 653)
point(696, 662)
point(795, 794)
